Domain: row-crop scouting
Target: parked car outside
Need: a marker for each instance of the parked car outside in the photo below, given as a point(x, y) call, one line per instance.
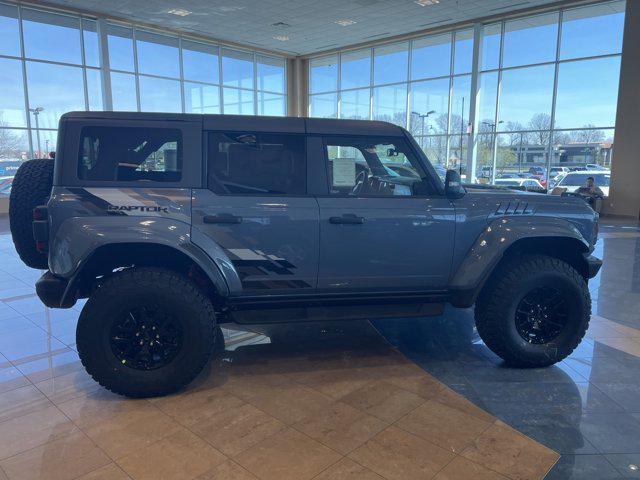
point(593, 166)
point(485, 171)
point(555, 180)
point(574, 180)
point(529, 184)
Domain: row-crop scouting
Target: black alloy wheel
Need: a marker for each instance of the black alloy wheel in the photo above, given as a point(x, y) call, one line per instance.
point(146, 338)
point(541, 315)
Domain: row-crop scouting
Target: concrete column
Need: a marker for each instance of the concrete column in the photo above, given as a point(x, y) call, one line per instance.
point(625, 171)
point(297, 87)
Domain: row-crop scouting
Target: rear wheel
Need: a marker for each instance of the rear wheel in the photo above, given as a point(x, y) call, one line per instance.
point(31, 188)
point(534, 311)
point(146, 332)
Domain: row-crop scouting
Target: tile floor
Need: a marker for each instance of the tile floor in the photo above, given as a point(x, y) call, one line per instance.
point(587, 408)
point(390, 399)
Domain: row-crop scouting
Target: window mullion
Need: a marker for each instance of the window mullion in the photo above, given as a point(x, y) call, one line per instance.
point(24, 81)
point(494, 140)
point(555, 95)
point(105, 66)
point(135, 67)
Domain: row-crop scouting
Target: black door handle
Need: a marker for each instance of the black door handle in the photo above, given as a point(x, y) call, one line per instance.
point(222, 218)
point(347, 219)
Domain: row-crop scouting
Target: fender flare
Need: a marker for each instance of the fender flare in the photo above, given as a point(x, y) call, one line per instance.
point(71, 258)
point(489, 248)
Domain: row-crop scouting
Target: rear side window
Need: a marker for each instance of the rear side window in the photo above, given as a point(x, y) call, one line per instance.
point(257, 163)
point(130, 154)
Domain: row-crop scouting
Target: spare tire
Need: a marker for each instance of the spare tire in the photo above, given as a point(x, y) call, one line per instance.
point(31, 187)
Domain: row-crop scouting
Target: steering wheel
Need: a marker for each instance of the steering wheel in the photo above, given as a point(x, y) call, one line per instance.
point(361, 183)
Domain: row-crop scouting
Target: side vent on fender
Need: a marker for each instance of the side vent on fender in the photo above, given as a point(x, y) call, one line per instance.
point(513, 208)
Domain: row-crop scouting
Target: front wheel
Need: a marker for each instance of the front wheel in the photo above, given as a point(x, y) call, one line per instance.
point(145, 332)
point(534, 311)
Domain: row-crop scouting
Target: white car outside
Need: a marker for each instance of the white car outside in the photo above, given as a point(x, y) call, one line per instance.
point(519, 182)
point(574, 180)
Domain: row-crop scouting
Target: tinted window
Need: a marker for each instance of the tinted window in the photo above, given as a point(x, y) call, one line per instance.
point(257, 163)
point(130, 154)
point(368, 167)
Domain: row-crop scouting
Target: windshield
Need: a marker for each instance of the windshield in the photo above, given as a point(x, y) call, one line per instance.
point(579, 179)
point(509, 183)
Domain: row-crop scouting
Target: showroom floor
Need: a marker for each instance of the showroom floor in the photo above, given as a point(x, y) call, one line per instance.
point(394, 399)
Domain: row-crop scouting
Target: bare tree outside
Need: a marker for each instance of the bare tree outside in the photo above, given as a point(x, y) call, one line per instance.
point(541, 123)
point(10, 145)
point(587, 135)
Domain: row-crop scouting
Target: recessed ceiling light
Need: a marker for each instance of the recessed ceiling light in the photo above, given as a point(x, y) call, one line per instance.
point(181, 12)
point(345, 22)
point(282, 38)
point(425, 3)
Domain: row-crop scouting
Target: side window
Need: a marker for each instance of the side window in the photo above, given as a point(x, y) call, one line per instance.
point(130, 154)
point(257, 163)
point(371, 167)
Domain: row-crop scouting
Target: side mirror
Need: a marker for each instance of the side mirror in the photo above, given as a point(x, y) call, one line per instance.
point(453, 185)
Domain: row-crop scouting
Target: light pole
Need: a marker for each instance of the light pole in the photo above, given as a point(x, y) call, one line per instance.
point(493, 127)
point(36, 111)
point(422, 117)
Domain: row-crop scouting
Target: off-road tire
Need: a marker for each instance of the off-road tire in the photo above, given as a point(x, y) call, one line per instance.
point(495, 312)
point(135, 287)
point(31, 188)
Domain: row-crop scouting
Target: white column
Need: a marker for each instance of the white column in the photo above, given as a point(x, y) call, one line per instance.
point(103, 48)
point(472, 147)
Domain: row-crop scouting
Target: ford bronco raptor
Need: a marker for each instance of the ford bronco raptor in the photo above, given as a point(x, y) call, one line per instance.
point(170, 224)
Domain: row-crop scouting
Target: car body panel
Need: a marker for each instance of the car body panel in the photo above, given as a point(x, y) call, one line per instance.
point(402, 243)
point(82, 219)
point(274, 247)
point(287, 246)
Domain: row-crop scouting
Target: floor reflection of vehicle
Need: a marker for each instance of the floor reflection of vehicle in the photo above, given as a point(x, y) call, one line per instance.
point(529, 184)
point(574, 180)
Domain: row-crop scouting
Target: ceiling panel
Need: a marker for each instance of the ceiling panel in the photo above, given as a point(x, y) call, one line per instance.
point(303, 26)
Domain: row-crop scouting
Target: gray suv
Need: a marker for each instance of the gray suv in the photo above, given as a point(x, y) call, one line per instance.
point(171, 224)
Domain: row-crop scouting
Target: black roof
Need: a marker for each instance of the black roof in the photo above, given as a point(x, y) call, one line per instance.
point(325, 126)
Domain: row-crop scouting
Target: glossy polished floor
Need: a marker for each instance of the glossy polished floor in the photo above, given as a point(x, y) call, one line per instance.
point(392, 399)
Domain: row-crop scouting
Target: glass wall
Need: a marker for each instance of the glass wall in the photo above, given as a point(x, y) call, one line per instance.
point(48, 66)
point(50, 63)
point(423, 84)
point(550, 109)
point(536, 109)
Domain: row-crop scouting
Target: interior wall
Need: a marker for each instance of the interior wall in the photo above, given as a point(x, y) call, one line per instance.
point(625, 170)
